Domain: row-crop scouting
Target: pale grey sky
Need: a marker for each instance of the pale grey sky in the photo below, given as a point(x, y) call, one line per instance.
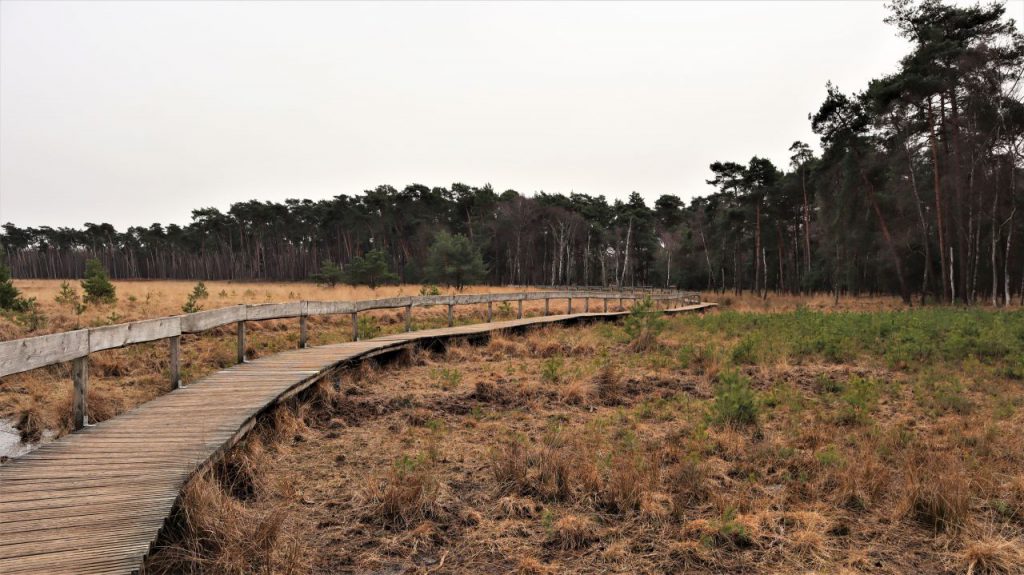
point(138, 112)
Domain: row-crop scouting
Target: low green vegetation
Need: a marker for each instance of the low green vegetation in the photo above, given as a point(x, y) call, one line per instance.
point(96, 285)
point(736, 403)
point(199, 293)
point(68, 297)
point(10, 296)
point(907, 340)
point(644, 323)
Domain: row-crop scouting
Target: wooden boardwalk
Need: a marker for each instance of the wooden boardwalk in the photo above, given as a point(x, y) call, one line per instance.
point(95, 500)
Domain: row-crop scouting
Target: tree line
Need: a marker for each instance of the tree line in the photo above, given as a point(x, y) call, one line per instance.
point(917, 190)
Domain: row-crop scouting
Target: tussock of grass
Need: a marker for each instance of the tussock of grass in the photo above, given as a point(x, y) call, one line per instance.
point(992, 555)
point(608, 384)
point(573, 532)
point(406, 495)
point(938, 493)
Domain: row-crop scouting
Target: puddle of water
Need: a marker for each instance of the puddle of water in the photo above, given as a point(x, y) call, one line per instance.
point(12, 446)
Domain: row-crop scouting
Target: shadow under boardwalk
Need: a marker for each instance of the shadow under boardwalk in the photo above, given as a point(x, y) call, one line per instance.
point(94, 501)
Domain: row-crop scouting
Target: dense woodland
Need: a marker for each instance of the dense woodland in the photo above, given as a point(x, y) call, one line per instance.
point(919, 190)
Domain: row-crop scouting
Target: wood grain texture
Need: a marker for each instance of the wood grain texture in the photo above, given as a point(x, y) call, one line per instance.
point(204, 320)
point(122, 334)
point(24, 354)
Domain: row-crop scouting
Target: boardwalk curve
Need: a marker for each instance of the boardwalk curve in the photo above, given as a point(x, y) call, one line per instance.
point(94, 501)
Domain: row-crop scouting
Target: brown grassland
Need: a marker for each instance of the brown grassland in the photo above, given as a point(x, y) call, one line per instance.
point(39, 401)
point(787, 442)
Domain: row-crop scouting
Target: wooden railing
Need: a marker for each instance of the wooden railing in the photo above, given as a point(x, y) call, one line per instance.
point(21, 355)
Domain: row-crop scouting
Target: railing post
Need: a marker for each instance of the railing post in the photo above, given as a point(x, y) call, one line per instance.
point(489, 315)
point(240, 330)
point(606, 305)
point(620, 303)
point(546, 302)
point(451, 317)
point(408, 317)
point(355, 326)
point(569, 308)
point(175, 349)
point(586, 305)
point(80, 376)
point(520, 309)
point(303, 333)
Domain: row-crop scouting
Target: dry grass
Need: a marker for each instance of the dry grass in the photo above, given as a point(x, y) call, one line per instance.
point(39, 401)
point(230, 518)
point(992, 555)
point(504, 469)
point(573, 532)
point(562, 451)
point(938, 492)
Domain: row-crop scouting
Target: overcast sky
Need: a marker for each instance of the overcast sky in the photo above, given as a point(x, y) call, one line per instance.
point(138, 112)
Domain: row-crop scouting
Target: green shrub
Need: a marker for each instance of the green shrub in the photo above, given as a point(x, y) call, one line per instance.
point(744, 353)
point(329, 275)
point(736, 403)
point(10, 296)
point(859, 399)
point(369, 270)
point(829, 457)
point(192, 304)
point(685, 356)
point(29, 316)
point(368, 327)
point(551, 370)
point(943, 396)
point(731, 531)
point(96, 284)
point(644, 324)
point(68, 297)
point(447, 377)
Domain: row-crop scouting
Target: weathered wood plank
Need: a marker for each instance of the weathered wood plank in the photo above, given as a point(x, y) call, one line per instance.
point(80, 379)
point(329, 307)
point(120, 335)
point(29, 353)
point(204, 320)
point(264, 311)
point(384, 303)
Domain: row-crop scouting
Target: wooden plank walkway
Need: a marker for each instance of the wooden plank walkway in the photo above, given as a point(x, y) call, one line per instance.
point(94, 501)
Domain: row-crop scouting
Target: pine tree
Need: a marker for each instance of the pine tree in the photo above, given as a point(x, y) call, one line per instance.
point(454, 261)
point(96, 284)
point(330, 274)
point(370, 270)
point(10, 296)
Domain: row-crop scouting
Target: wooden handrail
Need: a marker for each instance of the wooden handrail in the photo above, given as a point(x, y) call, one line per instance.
point(26, 354)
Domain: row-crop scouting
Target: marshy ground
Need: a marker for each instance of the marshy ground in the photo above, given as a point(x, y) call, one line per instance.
point(792, 442)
